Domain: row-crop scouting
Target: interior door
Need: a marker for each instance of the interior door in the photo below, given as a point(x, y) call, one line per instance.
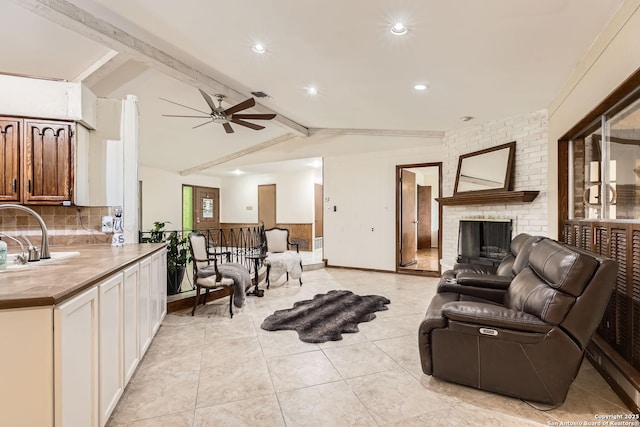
point(408, 219)
point(319, 211)
point(267, 205)
point(206, 208)
point(424, 217)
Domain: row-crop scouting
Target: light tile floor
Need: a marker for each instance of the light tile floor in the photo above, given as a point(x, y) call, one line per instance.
point(210, 370)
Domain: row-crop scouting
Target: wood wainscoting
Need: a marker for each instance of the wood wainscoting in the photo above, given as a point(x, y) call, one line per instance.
point(299, 233)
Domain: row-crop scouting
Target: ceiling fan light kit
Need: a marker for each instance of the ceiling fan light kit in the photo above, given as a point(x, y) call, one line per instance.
point(224, 117)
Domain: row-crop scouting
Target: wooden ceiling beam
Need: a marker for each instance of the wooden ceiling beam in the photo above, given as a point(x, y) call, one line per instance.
point(238, 154)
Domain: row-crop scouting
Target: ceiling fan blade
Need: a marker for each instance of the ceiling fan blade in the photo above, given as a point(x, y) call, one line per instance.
point(255, 116)
point(247, 124)
point(202, 124)
point(195, 117)
point(242, 106)
point(199, 111)
point(207, 98)
point(227, 128)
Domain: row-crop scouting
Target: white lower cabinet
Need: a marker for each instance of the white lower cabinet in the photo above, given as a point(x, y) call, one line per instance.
point(162, 283)
point(75, 358)
point(144, 306)
point(156, 293)
point(130, 321)
point(111, 355)
point(99, 337)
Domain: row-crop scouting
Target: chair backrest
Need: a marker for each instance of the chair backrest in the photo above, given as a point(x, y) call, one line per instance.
point(519, 258)
point(564, 286)
point(198, 247)
point(277, 239)
point(522, 250)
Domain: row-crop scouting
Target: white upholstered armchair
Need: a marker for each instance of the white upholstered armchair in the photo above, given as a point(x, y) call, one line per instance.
point(279, 258)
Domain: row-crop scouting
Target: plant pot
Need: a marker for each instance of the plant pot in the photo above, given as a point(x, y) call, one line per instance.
point(174, 280)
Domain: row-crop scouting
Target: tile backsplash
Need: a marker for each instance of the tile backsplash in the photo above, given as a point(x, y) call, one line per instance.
point(66, 225)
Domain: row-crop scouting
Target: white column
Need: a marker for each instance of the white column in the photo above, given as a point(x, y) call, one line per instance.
point(130, 136)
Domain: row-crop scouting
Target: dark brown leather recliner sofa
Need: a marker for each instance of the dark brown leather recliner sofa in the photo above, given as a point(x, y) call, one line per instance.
point(482, 281)
point(531, 344)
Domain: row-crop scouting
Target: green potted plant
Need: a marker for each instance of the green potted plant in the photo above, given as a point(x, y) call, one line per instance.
point(178, 255)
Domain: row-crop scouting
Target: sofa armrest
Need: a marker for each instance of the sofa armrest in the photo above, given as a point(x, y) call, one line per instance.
point(473, 268)
point(490, 281)
point(433, 318)
point(484, 314)
point(480, 292)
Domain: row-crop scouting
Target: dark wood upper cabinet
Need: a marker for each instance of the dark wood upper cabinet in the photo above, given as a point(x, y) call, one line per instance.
point(10, 150)
point(37, 161)
point(49, 160)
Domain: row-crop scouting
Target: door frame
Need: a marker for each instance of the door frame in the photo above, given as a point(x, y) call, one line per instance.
point(399, 169)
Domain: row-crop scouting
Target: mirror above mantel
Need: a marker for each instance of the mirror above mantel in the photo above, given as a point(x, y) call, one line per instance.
point(485, 170)
point(485, 177)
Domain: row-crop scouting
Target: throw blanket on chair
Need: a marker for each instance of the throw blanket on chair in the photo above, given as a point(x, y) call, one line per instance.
point(284, 262)
point(241, 280)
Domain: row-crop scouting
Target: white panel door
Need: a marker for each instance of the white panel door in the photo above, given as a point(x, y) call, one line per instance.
point(76, 360)
point(130, 321)
point(111, 376)
point(144, 306)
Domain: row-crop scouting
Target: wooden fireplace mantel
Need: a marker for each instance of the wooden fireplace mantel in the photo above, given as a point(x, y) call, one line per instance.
point(489, 198)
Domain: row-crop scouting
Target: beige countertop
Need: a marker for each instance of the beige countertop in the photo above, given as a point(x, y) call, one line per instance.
point(52, 281)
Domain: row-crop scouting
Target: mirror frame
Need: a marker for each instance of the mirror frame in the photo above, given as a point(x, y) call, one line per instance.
point(507, 179)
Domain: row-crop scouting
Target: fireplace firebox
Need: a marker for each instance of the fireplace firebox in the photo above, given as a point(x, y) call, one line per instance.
point(484, 241)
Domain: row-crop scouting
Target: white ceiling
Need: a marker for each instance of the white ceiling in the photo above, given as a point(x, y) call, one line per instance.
point(488, 59)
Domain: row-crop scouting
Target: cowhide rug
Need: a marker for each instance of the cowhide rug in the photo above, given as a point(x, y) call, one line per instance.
point(327, 316)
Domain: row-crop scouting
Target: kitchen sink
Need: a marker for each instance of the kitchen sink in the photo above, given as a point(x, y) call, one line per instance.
point(12, 265)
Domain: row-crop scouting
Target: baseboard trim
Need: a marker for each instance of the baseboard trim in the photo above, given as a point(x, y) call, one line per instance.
point(374, 270)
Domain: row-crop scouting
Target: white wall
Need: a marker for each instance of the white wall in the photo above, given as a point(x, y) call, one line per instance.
point(294, 196)
point(51, 99)
point(530, 133)
point(362, 188)
point(100, 157)
point(613, 57)
point(162, 195)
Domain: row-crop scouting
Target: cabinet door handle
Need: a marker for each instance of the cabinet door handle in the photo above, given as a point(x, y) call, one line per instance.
point(14, 185)
point(28, 186)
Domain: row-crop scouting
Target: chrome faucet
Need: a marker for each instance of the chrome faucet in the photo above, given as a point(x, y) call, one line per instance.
point(44, 248)
point(22, 258)
point(34, 255)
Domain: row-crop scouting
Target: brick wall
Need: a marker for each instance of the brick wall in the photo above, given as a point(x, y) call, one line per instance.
point(530, 173)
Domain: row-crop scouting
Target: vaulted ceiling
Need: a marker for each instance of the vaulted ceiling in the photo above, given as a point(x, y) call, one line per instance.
point(487, 59)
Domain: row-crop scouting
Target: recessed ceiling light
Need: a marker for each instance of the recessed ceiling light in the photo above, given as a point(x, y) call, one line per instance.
point(420, 87)
point(258, 48)
point(312, 90)
point(237, 172)
point(398, 29)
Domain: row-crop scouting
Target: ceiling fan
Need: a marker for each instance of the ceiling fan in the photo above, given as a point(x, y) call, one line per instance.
point(225, 117)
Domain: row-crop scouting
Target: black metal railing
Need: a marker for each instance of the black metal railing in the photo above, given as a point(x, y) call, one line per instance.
point(239, 245)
